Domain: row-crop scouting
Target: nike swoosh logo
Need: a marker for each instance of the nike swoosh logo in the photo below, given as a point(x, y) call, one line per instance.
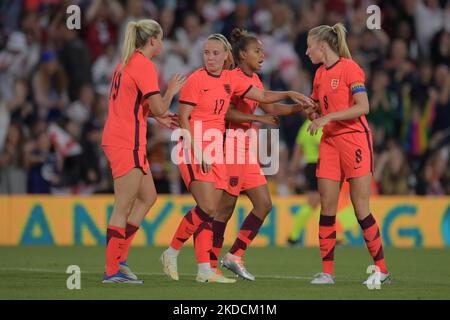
point(356, 167)
point(204, 90)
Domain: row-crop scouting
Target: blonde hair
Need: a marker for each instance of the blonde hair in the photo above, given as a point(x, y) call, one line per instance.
point(334, 36)
point(137, 35)
point(229, 62)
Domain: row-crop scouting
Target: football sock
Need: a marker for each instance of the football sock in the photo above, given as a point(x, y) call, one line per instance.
point(130, 232)
point(247, 233)
point(115, 238)
point(327, 241)
point(203, 241)
point(218, 228)
point(190, 222)
point(371, 234)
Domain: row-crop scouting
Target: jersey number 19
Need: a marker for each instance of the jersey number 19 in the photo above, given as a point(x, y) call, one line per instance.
point(115, 85)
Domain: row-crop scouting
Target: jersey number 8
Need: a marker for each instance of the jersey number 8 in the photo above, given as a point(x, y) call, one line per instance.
point(325, 102)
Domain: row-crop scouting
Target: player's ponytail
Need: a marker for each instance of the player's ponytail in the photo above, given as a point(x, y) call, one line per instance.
point(239, 40)
point(334, 36)
point(129, 44)
point(229, 62)
point(137, 35)
point(340, 31)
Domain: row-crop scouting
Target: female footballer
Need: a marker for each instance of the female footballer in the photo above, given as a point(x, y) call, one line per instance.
point(204, 101)
point(133, 97)
point(345, 150)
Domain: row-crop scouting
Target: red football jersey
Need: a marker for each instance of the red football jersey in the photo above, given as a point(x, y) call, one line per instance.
point(334, 88)
point(210, 96)
point(245, 105)
point(126, 124)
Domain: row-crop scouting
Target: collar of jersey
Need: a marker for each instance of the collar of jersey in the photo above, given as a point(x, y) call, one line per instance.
point(328, 68)
point(213, 75)
point(245, 74)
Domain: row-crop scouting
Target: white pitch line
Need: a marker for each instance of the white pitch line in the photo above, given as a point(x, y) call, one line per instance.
point(284, 277)
point(31, 270)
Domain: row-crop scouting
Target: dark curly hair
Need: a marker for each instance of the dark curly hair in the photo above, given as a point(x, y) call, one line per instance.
point(239, 40)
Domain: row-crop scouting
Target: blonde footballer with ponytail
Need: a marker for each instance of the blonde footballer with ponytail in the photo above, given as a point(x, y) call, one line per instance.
point(334, 36)
point(134, 96)
point(137, 35)
point(339, 89)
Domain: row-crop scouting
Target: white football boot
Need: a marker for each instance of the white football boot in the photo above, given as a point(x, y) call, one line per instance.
point(378, 278)
point(169, 262)
point(323, 278)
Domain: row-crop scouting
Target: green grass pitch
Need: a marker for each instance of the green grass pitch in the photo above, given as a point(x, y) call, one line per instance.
point(282, 273)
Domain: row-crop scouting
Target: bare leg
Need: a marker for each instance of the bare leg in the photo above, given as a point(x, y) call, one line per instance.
point(146, 198)
point(125, 192)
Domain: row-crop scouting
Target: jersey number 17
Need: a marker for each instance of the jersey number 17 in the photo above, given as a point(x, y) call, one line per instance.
point(219, 104)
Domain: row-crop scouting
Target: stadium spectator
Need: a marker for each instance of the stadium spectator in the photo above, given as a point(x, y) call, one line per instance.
point(175, 53)
point(4, 122)
point(134, 10)
point(392, 171)
point(91, 160)
point(239, 18)
point(20, 107)
point(430, 18)
point(79, 111)
point(42, 165)
point(383, 109)
point(441, 125)
point(75, 58)
point(35, 40)
point(436, 174)
point(10, 15)
point(398, 65)
point(50, 86)
point(13, 60)
point(102, 18)
point(13, 178)
point(191, 36)
point(44, 67)
point(440, 48)
point(103, 69)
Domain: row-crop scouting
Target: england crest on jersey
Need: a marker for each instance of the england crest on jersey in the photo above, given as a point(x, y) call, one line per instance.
point(334, 83)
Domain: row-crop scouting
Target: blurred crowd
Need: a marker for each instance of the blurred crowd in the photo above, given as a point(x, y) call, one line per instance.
point(54, 84)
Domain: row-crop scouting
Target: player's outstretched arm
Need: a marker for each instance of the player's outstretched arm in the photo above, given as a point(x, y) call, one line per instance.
point(236, 116)
point(158, 105)
point(264, 96)
point(280, 109)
